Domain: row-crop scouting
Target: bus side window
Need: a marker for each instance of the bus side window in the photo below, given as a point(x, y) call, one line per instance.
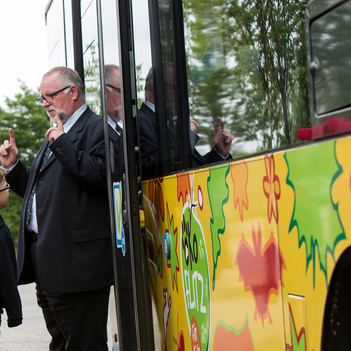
point(330, 71)
point(244, 69)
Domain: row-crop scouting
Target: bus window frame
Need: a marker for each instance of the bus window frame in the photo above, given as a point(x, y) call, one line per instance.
point(179, 62)
point(142, 300)
point(313, 13)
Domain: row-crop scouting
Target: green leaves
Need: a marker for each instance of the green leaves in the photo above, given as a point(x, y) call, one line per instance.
point(29, 123)
point(247, 63)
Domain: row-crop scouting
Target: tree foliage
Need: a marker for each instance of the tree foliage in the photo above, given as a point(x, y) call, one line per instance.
point(29, 123)
point(247, 63)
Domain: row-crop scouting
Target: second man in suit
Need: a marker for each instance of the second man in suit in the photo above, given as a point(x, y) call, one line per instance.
point(148, 135)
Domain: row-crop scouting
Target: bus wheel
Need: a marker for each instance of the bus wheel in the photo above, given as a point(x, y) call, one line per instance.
point(336, 334)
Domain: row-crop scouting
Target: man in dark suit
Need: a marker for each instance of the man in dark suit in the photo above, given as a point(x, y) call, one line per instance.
point(64, 240)
point(113, 96)
point(148, 135)
point(125, 284)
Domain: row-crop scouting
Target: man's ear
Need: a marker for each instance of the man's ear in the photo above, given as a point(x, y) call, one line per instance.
point(74, 92)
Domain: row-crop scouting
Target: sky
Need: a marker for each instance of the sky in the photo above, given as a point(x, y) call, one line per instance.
point(24, 48)
point(23, 45)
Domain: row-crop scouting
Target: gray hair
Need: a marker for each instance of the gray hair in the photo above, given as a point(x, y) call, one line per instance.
point(110, 74)
point(68, 76)
point(149, 83)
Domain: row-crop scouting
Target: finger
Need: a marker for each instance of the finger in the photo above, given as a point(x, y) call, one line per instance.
point(218, 126)
point(193, 122)
point(193, 125)
point(3, 151)
point(227, 136)
point(59, 123)
point(12, 137)
point(228, 139)
point(226, 132)
point(6, 144)
point(50, 130)
point(49, 135)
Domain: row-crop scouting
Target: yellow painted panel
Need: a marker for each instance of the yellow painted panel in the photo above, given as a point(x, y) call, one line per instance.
point(247, 239)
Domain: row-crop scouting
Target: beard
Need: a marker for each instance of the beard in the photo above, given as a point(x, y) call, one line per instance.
point(59, 113)
point(117, 114)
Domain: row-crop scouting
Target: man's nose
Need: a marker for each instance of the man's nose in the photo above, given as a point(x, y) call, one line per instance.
point(45, 103)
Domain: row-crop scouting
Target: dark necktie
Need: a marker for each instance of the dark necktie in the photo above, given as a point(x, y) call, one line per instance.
point(119, 129)
point(30, 201)
point(45, 157)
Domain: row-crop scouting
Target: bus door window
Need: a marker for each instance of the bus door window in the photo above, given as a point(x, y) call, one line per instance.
point(58, 19)
point(168, 111)
point(164, 138)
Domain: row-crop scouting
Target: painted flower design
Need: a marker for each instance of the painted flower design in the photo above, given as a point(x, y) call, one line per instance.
point(260, 270)
point(271, 188)
point(240, 178)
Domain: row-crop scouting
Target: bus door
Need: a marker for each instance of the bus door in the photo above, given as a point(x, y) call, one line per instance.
point(127, 218)
point(94, 37)
point(132, 188)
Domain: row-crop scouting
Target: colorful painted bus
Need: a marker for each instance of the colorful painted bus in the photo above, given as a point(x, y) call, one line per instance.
point(253, 252)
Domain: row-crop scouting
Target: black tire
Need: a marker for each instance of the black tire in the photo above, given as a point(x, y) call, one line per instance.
point(336, 332)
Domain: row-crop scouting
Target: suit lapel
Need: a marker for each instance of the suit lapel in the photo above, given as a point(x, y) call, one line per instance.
point(50, 159)
point(78, 126)
point(35, 168)
point(76, 129)
point(113, 136)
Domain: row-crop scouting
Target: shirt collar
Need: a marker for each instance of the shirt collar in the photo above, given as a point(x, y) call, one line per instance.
point(150, 105)
point(73, 119)
point(113, 124)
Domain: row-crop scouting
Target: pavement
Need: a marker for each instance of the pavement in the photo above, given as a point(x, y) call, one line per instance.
point(32, 333)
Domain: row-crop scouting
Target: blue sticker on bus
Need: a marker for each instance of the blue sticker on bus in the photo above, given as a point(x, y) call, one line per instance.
point(117, 201)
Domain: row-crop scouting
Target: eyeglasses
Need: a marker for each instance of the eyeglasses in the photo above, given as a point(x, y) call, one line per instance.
point(111, 86)
point(6, 187)
point(50, 97)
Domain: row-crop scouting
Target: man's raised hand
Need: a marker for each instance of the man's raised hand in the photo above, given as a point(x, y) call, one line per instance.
point(9, 151)
point(222, 139)
point(54, 132)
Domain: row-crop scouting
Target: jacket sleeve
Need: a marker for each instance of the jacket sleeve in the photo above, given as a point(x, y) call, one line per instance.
point(10, 298)
point(214, 156)
point(18, 178)
point(86, 166)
